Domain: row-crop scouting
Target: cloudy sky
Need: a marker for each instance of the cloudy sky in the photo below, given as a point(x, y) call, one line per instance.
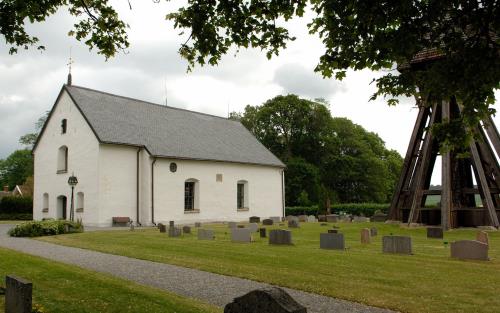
point(152, 70)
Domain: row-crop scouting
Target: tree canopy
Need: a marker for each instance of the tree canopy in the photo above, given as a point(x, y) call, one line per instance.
point(16, 168)
point(326, 158)
point(376, 35)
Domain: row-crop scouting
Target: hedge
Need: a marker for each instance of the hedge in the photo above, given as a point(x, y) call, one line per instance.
point(16, 217)
point(366, 209)
point(16, 205)
point(45, 228)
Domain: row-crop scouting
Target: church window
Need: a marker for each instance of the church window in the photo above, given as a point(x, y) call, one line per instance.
point(191, 195)
point(64, 124)
point(62, 160)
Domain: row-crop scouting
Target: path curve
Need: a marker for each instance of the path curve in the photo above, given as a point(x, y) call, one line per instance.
point(208, 287)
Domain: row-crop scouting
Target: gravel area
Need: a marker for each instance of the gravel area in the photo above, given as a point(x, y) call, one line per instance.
point(208, 287)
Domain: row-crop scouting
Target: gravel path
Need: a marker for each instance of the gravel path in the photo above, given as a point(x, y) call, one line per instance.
point(207, 287)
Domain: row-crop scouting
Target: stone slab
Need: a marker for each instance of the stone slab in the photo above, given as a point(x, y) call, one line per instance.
point(186, 230)
point(482, 236)
point(262, 232)
point(275, 219)
point(265, 300)
point(163, 228)
point(469, 250)
point(303, 218)
point(280, 237)
point(174, 231)
point(254, 227)
point(360, 219)
point(333, 231)
point(197, 224)
point(373, 231)
point(379, 218)
point(293, 224)
point(312, 219)
point(232, 225)
point(435, 232)
point(397, 244)
point(254, 219)
point(365, 236)
point(267, 222)
point(332, 218)
point(171, 223)
point(322, 218)
point(241, 235)
point(206, 234)
point(332, 241)
point(18, 295)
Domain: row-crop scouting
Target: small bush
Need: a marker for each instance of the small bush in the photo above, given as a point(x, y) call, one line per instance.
point(45, 228)
point(366, 209)
point(16, 205)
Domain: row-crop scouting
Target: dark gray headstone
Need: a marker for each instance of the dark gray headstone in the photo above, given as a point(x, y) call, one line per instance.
point(174, 231)
point(373, 231)
point(17, 295)
point(280, 237)
point(197, 224)
point(265, 300)
point(186, 230)
point(293, 224)
point(254, 219)
point(241, 235)
point(396, 244)
point(332, 241)
point(469, 250)
point(333, 231)
point(206, 234)
point(171, 223)
point(435, 232)
point(322, 218)
point(163, 228)
point(332, 218)
point(380, 217)
point(267, 221)
point(262, 232)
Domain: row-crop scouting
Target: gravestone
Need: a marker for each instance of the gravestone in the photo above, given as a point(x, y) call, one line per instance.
point(254, 219)
point(265, 300)
point(293, 224)
point(323, 224)
point(241, 235)
point(232, 225)
point(360, 219)
point(163, 228)
point(332, 218)
point(435, 232)
point(303, 218)
point(280, 237)
point(174, 231)
point(332, 241)
point(171, 223)
point(206, 234)
point(291, 217)
point(267, 222)
point(262, 232)
point(396, 244)
point(275, 219)
point(197, 224)
point(322, 218)
point(333, 231)
point(379, 217)
point(469, 250)
point(482, 236)
point(254, 227)
point(373, 231)
point(311, 219)
point(17, 295)
point(365, 235)
point(186, 230)
point(345, 218)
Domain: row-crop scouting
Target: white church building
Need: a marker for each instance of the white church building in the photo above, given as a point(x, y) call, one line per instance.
point(151, 163)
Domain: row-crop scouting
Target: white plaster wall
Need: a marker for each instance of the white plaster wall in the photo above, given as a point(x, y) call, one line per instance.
point(217, 199)
point(117, 181)
point(83, 150)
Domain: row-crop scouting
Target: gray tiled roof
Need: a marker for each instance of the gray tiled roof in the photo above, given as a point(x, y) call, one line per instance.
point(169, 132)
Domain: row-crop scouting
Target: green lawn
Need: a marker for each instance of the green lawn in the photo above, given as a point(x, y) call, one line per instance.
point(428, 281)
point(64, 288)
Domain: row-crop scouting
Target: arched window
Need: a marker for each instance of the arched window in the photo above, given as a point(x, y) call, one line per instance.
point(80, 202)
point(62, 160)
point(191, 195)
point(242, 195)
point(45, 207)
point(64, 125)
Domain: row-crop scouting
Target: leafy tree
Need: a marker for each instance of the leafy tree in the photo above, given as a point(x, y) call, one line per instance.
point(16, 168)
point(30, 138)
point(328, 159)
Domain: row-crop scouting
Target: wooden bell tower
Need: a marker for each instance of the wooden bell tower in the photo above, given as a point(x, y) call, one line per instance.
point(458, 206)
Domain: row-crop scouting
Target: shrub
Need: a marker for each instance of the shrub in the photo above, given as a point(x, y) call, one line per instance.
point(366, 209)
point(16, 216)
point(45, 228)
point(16, 205)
